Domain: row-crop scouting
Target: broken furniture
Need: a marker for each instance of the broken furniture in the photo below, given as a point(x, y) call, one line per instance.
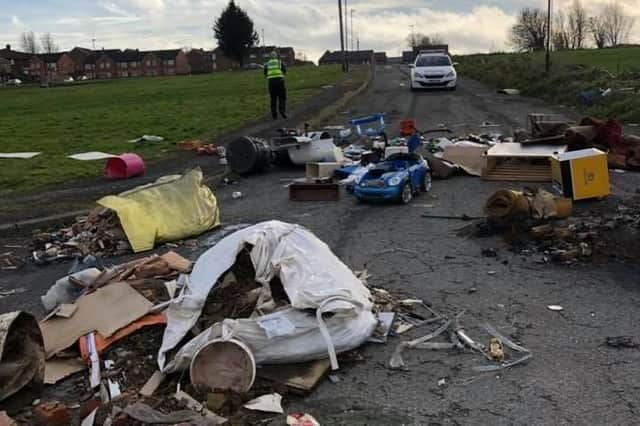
point(324, 190)
point(581, 174)
point(518, 162)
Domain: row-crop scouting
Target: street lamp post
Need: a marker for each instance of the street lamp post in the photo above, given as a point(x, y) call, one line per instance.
point(344, 56)
point(548, 55)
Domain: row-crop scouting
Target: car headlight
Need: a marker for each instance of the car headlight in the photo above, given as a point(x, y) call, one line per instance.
point(395, 181)
point(451, 74)
point(417, 74)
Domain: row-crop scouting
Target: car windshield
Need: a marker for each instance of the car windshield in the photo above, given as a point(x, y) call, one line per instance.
point(433, 61)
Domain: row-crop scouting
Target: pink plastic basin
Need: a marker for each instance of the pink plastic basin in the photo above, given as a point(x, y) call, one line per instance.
point(124, 166)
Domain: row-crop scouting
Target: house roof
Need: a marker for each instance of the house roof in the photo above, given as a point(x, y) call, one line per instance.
point(381, 55)
point(166, 54)
point(50, 57)
point(79, 54)
point(15, 55)
point(109, 53)
point(281, 50)
point(129, 55)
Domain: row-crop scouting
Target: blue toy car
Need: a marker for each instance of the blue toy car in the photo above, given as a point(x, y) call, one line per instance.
point(398, 178)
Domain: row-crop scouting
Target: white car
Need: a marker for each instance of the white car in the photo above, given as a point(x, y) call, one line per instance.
point(14, 82)
point(433, 70)
point(69, 79)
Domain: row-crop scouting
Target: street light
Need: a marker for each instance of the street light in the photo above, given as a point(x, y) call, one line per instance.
point(344, 56)
point(548, 56)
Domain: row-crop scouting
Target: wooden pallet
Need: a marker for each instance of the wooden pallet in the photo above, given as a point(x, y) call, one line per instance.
point(524, 172)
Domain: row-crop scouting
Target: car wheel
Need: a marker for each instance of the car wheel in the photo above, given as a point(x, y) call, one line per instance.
point(407, 194)
point(426, 182)
point(453, 89)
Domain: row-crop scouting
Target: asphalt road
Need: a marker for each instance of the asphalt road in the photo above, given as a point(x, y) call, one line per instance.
point(573, 377)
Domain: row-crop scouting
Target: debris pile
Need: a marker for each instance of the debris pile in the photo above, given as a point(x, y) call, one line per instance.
point(100, 234)
point(136, 220)
point(534, 222)
point(108, 330)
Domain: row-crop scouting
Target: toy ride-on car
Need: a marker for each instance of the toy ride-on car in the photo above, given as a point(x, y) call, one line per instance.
point(398, 178)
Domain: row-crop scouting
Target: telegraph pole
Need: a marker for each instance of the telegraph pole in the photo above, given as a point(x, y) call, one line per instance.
point(346, 33)
point(351, 29)
point(548, 56)
point(344, 56)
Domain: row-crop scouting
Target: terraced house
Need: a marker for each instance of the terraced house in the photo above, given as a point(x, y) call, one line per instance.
point(108, 64)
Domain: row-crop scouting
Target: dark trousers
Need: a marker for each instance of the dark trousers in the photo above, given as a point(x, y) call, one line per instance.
point(278, 93)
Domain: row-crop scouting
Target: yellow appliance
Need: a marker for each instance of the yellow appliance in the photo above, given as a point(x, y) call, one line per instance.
point(581, 175)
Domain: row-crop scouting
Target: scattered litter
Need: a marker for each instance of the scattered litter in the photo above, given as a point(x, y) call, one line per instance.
point(622, 342)
point(335, 379)
point(124, 166)
point(236, 195)
point(19, 155)
point(380, 334)
point(442, 382)
point(10, 262)
point(147, 138)
point(495, 349)
point(91, 156)
point(152, 384)
point(271, 403)
point(510, 92)
point(555, 308)
point(147, 415)
point(5, 420)
point(301, 419)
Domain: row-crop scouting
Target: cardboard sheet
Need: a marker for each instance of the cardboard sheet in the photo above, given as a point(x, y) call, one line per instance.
point(20, 155)
point(57, 369)
point(107, 310)
point(91, 156)
point(470, 158)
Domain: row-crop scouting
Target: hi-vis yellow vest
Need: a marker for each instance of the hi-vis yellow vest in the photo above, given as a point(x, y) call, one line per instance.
point(274, 69)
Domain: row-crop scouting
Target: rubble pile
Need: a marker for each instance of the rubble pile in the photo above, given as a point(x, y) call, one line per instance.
point(100, 234)
point(106, 328)
point(590, 236)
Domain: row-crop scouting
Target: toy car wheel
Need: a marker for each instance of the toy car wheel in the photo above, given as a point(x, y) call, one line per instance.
point(426, 182)
point(407, 194)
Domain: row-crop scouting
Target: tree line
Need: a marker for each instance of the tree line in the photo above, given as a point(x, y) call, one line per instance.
point(29, 43)
point(573, 29)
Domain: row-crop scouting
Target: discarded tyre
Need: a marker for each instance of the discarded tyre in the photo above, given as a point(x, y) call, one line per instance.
point(249, 155)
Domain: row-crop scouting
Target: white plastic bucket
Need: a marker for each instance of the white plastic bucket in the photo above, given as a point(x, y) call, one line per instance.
point(223, 365)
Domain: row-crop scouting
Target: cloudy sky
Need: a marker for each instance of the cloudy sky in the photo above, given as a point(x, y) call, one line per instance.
point(309, 26)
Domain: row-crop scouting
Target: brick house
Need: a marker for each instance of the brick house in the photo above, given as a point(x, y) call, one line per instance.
point(381, 58)
point(66, 66)
point(174, 62)
point(260, 55)
point(222, 62)
point(200, 61)
point(128, 63)
point(19, 62)
point(359, 57)
point(106, 64)
point(5, 69)
point(44, 67)
point(151, 64)
point(85, 62)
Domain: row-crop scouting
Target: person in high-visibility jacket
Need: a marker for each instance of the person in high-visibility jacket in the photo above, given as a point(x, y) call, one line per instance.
point(275, 71)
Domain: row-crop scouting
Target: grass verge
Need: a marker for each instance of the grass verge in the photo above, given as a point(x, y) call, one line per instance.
point(572, 73)
point(104, 116)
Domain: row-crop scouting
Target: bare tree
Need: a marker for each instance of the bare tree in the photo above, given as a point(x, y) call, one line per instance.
point(529, 33)
point(617, 25)
point(598, 32)
point(48, 44)
point(578, 24)
point(28, 42)
point(560, 37)
point(417, 40)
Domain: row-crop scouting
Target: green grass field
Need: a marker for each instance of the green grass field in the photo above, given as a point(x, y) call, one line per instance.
point(103, 116)
point(572, 73)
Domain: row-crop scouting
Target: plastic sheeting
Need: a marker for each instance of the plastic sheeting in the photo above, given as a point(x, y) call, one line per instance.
point(315, 280)
point(173, 208)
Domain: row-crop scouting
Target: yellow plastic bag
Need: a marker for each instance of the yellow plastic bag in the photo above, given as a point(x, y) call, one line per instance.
point(172, 208)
